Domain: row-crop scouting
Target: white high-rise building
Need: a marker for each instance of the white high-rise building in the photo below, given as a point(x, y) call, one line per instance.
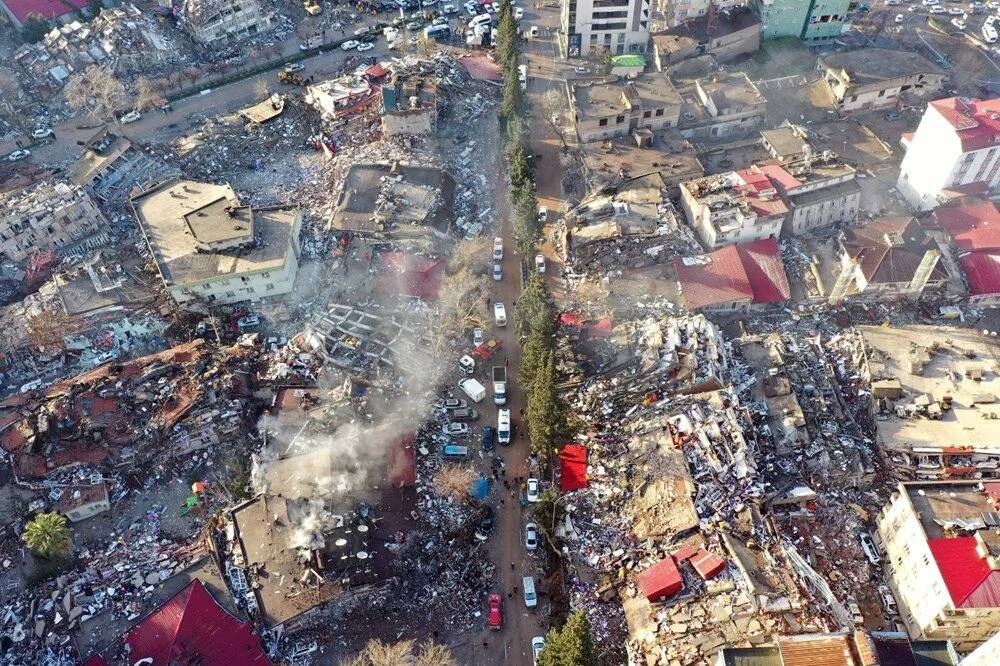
point(613, 26)
point(957, 144)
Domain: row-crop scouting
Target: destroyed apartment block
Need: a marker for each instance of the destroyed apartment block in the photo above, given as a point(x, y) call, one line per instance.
point(967, 236)
point(81, 502)
point(859, 648)
point(269, 109)
point(735, 278)
point(941, 540)
point(111, 167)
point(395, 200)
point(50, 216)
point(613, 163)
point(934, 394)
point(343, 97)
point(725, 35)
point(218, 23)
point(99, 287)
point(211, 249)
point(355, 339)
point(409, 106)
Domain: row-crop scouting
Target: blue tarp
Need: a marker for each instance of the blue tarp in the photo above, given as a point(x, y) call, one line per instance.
point(480, 488)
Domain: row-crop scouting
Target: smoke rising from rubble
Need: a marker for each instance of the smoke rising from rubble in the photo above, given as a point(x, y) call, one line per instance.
point(331, 472)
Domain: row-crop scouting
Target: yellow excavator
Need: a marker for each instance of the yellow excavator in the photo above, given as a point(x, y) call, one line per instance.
point(291, 77)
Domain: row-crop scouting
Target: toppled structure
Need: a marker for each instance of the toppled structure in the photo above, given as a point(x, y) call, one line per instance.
point(409, 106)
point(726, 34)
point(613, 163)
point(112, 166)
point(210, 248)
point(724, 105)
point(735, 207)
point(49, 216)
point(933, 391)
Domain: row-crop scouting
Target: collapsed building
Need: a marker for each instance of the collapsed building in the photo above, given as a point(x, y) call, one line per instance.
point(211, 249)
point(50, 216)
point(112, 166)
point(409, 106)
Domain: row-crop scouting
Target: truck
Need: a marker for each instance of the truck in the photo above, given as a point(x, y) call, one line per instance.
point(473, 389)
point(499, 384)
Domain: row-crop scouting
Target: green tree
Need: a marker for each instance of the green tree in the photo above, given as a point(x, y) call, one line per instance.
point(546, 417)
point(535, 311)
point(571, 645)
point(34, 28)
point(507, 46)
point(47, 535)
point(512, 101)
point(546, 511)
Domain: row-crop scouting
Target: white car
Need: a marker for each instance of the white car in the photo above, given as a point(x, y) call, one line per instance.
point(365, 46)
point(958, 23)
point(429, 3)
point(455, 429)
point(294, 67)
point(478, 337)
point(531, 536)
point(349, 45)
point(497, 272)
point(130, 117)
point(41, 133)
point(518, 13)
point(503, 426)
point(540, 262)
point(955, 11)
point(930, 3)
point(19, 155)
point(543, 214)
point(500, 314)
point(900, 18)
point(938, 9)
point(360, 31)
point(449, 9)
point(532, 493)
point(497, 249)
point(537, 645)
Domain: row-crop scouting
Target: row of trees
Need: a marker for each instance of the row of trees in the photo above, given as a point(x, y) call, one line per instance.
point(545, 416)
point(570, 645)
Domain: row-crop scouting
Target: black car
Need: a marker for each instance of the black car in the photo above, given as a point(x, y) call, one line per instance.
point(489, 437)
point(485, 525)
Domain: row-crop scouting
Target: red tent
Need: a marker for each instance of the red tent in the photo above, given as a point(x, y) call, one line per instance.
point(191, 627)
point(410, 275)
point(574, 468)
point(660, 580)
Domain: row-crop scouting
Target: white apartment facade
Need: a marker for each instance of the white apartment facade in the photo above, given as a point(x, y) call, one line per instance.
point(679, 11)
point(943, 579)
point(733, 208)
point(605, 26)
point(956, 143)
point(48, 216)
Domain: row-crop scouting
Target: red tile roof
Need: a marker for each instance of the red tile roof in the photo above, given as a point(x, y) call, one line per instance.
point(968, 577)
point(976, 122)
point(190, 628)
point(760, 192)
point(972, 227)
point(660, 580)
point(753, 273)
point(982, 271)
point(47, 9)
point(707, 564)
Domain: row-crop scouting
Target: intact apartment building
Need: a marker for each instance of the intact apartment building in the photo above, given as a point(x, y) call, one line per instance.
point(218, 22)
point(208, 246)
point(725, 35)
point(868, 79)
point(48, 216)
point(819, 191)
point(605, 26)
point(678, 11)
point(957, 143)
point(941, 545)
point(815, 22)
point(608, 110)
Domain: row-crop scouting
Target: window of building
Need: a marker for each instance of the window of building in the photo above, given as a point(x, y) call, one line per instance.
point(270, 286)
point(230, 294)
point(647, 114)
point(265, 274)
point(619, 120)
point(603, 122)
point(659, 112)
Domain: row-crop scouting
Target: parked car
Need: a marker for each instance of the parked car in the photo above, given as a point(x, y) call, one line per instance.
point(485, 525)
point(518, 13)
point(938, 9)
point(365, 46)
point(887, 599)
point(130, 117)
point(581, 70)
point(463, 415)
point(497, 272)
point(531, 536)
point(868, 546)
point(500, 314)
point(532, 493)
point(455, 429)
point(543, 214)
point(41, 133)
point(540, 262)
point(19, 155)
point(413, 25)
point(537, 645)
point(955, 11)
point(900, 18)
point(478, 338)
point(494, 620)
point(248, 323)
point(503, 426)
point(349, 45)
point(489, 437)
point(294, 67)
point(451, 403)
point(497, 249)
point(467, 364)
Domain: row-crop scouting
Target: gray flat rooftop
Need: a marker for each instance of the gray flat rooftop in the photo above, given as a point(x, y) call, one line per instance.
point(163, 213)
point(948, 355)
point(943, 501)
point(865, 66)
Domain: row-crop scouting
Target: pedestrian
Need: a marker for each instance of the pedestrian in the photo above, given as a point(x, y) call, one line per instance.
point(506, 361)
point(510, 595)
point(487, 301)
point(515, 589)
point(485, 645)
point(511, 566)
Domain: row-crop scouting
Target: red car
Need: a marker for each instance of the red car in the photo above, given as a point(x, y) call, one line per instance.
point(495, 619)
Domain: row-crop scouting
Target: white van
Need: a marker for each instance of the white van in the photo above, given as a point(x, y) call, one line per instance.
point(479, 20)
point(530, 600)
point(473, 389)
point(503, 426)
